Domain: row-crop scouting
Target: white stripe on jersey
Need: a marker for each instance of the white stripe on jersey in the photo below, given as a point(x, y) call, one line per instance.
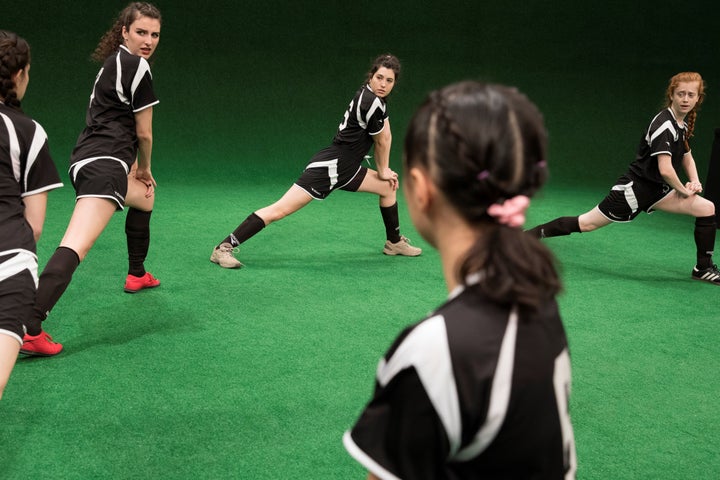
point(39, 139)
point(361, 121)
point(667, 125)
point(499, 395)
point(118, 80)
point(22, 260)
point(14, 146)
point(365, 460)
point(376, 105)
point(426, 349)
point(143, 68)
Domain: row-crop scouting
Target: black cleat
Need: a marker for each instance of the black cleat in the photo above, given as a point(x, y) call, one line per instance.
point(710, 274)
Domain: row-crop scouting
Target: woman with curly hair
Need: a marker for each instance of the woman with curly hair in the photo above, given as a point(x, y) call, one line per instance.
point(110, 164)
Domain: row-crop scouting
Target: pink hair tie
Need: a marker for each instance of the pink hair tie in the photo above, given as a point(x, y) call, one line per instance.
point(511, 212)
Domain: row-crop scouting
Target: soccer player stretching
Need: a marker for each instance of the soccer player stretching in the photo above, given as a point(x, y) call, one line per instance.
point(652, 181)
point(339, 167)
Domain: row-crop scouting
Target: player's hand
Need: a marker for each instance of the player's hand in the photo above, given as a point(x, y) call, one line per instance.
point(145, 176)
point(389, 176)
point(694, 187)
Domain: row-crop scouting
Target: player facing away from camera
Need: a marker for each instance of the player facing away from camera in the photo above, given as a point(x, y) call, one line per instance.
point(110, 165)
point(480, 387)
point(27, 173)
point(339, 167)
point(652, 181)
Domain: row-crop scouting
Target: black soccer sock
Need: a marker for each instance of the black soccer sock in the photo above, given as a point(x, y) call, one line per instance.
point(392, 222)
point(247, 229)
point(555, 228)
point(137, 230)
point(55, 278)
point(705, 230)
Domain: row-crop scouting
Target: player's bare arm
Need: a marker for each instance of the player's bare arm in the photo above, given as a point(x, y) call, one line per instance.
point(671, 177)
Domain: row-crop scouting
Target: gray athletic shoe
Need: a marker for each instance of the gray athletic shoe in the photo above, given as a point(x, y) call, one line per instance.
point(222, 255)
point(402, 247)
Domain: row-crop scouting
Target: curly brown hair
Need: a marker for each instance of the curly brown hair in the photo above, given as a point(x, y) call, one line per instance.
point(14, 56)
point(113, 37)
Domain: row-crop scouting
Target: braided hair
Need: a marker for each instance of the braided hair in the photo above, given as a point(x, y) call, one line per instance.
point(483, 144)
point(14, 56)
point(692, 115)
point(113, 37)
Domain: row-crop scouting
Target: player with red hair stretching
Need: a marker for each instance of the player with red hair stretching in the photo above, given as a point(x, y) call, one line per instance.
point(652, 181)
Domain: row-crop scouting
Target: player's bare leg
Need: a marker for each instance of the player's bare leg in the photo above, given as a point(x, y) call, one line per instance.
point(140, 200)
point(592, 220)
point(9, 349)
point(705, 231)
point(292, 201)
point(395, 243)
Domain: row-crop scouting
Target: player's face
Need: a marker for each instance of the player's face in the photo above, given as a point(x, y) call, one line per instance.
point(685, 97)
point(22, 79)
point(382, 82)
point(143, 36)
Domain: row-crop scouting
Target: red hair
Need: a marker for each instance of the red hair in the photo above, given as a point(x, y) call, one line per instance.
point(692, 115)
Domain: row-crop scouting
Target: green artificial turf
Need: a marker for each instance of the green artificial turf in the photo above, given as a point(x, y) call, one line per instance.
point(256, 373)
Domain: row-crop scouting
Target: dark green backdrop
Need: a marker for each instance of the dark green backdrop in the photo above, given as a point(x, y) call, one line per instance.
point(230, 75)
point(255, 373)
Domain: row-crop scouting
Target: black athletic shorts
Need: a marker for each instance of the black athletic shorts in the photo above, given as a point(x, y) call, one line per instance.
point(328, 171)
point(18, 283)
point(630, 196)
point(101, 178)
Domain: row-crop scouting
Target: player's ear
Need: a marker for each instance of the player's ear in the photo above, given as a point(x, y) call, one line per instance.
point(420, 188)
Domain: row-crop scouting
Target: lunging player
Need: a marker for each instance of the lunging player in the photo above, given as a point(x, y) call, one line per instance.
point(339, 167)
point(652, 181)
point(103, 166)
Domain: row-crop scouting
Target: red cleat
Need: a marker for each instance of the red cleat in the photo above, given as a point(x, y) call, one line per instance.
point(134, 284)
point(41, 345)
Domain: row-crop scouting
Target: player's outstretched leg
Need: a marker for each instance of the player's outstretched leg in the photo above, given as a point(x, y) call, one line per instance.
point(555, 228)
point(222, 254)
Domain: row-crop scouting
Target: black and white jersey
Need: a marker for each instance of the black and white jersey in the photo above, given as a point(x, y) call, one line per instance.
point(664, 136)
point(122, 88)
point(475, 390)
point(26, 169)
point(364, 117)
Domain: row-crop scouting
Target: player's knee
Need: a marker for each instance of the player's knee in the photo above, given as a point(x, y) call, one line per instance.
point(704, 207)
point(272, 214)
